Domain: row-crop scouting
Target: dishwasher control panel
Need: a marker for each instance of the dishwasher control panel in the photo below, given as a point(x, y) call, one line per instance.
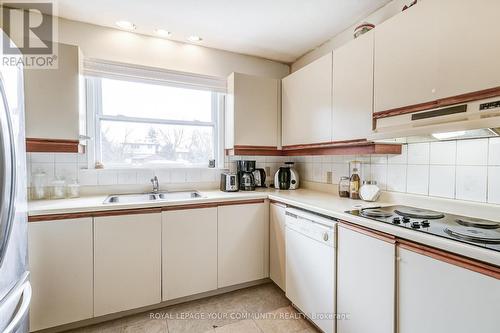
point(314, 229)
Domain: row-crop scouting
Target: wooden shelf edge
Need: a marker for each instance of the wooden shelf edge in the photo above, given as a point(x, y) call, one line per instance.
point(35, 145)
point(448, 101)
point(451, 258)
point(254, 151)
point(355, 147)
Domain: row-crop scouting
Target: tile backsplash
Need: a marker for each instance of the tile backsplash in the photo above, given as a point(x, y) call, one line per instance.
point(464, 169)
point(69, 166)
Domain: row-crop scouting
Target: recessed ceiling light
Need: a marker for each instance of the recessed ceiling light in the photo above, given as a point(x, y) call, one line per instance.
point(195, 39)
point(162, 33)
point(126, 25)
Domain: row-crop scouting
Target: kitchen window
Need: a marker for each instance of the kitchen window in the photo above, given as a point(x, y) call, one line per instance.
point(144, 121)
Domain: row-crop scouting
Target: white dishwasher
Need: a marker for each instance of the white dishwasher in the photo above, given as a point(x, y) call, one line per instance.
point(310, 266)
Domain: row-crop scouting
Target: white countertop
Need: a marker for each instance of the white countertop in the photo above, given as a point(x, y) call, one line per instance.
point(319, 202)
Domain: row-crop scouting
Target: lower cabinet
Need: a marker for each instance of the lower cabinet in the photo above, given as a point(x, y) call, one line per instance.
point(127, 262)
point(243, 243)
point(277, 248)
point(61, 268)
point(365, 281)
point(439, 296)
point(189, 252)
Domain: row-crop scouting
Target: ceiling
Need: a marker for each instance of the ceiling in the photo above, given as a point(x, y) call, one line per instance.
point(281, 30)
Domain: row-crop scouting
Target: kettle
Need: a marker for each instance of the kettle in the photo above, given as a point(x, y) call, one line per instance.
point(282, 178)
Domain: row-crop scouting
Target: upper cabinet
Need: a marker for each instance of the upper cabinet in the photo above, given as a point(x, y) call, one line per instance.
point(405, 67)
point(469, 47)
point(252, 103)
point(353, 89)
point(307, 104)
point(434, 52)
point(54, 99)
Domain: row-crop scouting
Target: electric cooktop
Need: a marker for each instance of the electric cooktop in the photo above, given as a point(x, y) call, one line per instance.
point(464, 229)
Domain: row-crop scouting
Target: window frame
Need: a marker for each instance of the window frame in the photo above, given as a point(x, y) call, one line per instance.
point(95, 116)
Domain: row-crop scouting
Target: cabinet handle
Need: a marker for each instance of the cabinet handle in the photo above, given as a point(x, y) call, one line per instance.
point(398, 258)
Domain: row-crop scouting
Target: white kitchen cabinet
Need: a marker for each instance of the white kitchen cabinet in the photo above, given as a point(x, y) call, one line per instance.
point(365, 281)
point(436, 50)
point(353, 89)
point(406, 56)
point(243, 243)
point(469, 51)
point(189, 251)
point(127, 262)
point(252, 102)
point(307, 104)
point(277, 248)
point(436, 296)
point(54, 99)
point(61, 267)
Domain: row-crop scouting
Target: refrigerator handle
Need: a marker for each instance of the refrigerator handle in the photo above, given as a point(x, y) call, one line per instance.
point(8, 178)
point(22, 289)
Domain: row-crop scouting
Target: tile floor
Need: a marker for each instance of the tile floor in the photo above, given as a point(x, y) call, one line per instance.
point(260, 309)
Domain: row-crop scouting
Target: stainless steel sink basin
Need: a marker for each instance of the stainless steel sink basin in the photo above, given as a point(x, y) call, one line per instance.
point(148, 197)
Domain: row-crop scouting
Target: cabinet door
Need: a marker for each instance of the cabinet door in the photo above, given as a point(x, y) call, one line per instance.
point(450, 298)
point(365, 282)
point(469, 47)
point(405, 65)
point(277, 232)
point(52, 98)
point(243, 247)
point(353, 89)
point(189, 250)
point(127, 262)
point(252, 102)
point(307, 104)
point(61, 268)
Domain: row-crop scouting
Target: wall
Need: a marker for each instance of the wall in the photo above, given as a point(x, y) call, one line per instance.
point(463, 170)
point(70, 167)
point(392, 8)
point(122, 46)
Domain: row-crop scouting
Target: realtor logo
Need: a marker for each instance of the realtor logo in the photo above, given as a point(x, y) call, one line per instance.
point(30, 28)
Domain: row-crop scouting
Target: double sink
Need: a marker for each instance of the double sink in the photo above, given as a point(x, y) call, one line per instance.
point(149, 197)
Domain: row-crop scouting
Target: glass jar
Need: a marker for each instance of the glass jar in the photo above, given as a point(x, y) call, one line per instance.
point(74, 189)
point(39, 186)
point(344, 187)
point(58, 189)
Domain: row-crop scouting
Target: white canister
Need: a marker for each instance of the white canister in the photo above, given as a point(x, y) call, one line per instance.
point(369, 191)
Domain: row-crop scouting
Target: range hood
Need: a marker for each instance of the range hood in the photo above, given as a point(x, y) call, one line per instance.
point(476, 119)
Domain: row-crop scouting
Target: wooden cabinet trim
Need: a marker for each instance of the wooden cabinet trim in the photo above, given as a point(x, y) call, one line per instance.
point(67, 216)
point(254, 151)
point(241, 202)
point(368, 232)
point(464, 98)
point(277, 203)
point(350, 147)
point(55, 217)
point(451, 258)
point(35, 145)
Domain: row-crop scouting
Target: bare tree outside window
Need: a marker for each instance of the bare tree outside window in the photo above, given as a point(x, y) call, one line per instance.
point(143, 124)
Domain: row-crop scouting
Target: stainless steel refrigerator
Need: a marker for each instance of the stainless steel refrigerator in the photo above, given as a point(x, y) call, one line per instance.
point(15, 288)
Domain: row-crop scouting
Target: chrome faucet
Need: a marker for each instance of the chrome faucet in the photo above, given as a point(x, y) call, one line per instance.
point(156, 184)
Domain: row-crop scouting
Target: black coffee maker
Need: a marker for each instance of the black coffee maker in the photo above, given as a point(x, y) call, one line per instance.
point(245, 175)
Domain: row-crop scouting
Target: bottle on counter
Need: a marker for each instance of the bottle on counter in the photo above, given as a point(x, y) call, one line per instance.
point(344, 187)
point(354, 184)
